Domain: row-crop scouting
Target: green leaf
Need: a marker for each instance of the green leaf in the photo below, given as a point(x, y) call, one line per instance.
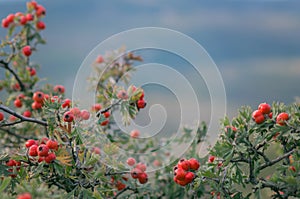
point(4, 184)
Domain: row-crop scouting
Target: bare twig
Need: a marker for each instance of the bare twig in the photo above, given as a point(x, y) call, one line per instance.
point(5, 65)
point(108, 108)
point(21, 117)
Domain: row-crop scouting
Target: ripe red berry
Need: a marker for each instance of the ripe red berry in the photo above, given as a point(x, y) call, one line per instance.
point(135, 173)
point(106, 114)
point(10, 18)
point(24, 196)
point(104, 123)
point(43, 150)
point(18, 103)
point(270, 115)
point(66, 103)
point(29, 143)
point(23, 20)
point(211, 158)
point(40, 25)
point(180, 174)
point(50, 158)
point(189, 177)
point(143, 178)
point(184, 164)
point(141, 103)
point(99, 59)
point(135, 133)
point(31, 71)
point(1, 116)
point(44, 140)
point(38, 96)
point(12, 118)
point(36, 105)
point(5, 23)
point(59, 89)
point(52, 144)
point(130, 161)
point(96, 107)
point(11, 163)
point(142, 95)
point(120, 186)
point(29, 17)
point(281, 118)
point(141, 166)
point(194, 164)
point(258, 116)
point(84, 114)
point(33, 150)
point(40, 10)
point(264, 108)
point(259, 119)
point(41, 159)
point(27, 51)
point(68, 116)
point(76, 112)
point(27, 113)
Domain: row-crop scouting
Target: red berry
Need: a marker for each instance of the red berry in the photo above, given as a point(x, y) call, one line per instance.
point(104, 123)
point(143, 178)
point(29, 17)
point(270, 115)
point(189, 177)
point(194, 164)
point(135, 173)
point(50, 158)
point(76, 112)
point(33, 150)
point(142, 95)
point(52, 144)
point(36, 105)
point(41, 159)
point(38, 96)
point(96, 150)
point(12, 118)
point(23, 20)
point(44, 140)
point(55, 98)
point(264, 108)
point(5, 23)
point(29, 143)
point(27, 51)
point(106, 114)
point(40, 10)
point(1, 116)
point(85, 115)
point(99, 59)
point(130, 161)
point(68, 116)
point(184, 164)
point(122, 94)
point(10, 18)
point(24, 196)
point(31, 71)
point(211, 158)
point(281, 118)
point(180, 174)
point(43, 150)
point(96, 107)
point(32, 5)
point(258, 116)
point(66, 103)
point(292, 168)
point(135, 133)
point(120, 186)
point(18, 103)
point(27, 113)
point(141, 166)
point(59, 89)
point(40, 25)
point(11, 163)
point(182, 182)
point(141, 103)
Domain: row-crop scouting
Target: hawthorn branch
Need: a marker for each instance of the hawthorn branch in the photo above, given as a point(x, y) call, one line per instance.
point(108, 108)
point(5, 65)
point(274, 161)
point(21, 117)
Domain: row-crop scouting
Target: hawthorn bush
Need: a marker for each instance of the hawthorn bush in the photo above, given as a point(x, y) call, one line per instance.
point(52, 149)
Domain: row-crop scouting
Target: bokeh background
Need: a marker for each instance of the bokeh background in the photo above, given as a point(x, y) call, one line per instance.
point(255, 44)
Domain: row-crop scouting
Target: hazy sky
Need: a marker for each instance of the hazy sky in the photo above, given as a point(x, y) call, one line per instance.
point(255, 44)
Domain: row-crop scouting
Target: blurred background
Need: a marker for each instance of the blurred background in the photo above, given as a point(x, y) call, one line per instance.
point(255, 44)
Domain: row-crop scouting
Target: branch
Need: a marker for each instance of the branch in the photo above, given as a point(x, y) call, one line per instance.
point(14, 134)
point(108, 108)
point(272, 162)
point(21, 117)
point(5, 65)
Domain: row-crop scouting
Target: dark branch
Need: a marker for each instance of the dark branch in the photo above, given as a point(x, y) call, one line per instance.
point(21, 117)
point(272, 162)
point(108, 108)
point(5, 65)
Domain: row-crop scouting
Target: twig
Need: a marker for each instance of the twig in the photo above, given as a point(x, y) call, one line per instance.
point(21, 117)
point(274, 161)
point(14, 134)
point(108, 108)
point(5, 65)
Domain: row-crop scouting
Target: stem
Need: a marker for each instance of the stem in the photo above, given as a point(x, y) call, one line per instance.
point(274, 161)
point(108, 108)
point(21, 117)
point(5, 65)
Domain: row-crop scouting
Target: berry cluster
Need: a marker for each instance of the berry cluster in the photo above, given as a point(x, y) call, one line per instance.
point(264, 111)
point(183, 171)
point(14, 164)
point(74, 113)
point(138, 171)
point(34, 14)
point(137, 100)
point(97, 107)
point(44, 149)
